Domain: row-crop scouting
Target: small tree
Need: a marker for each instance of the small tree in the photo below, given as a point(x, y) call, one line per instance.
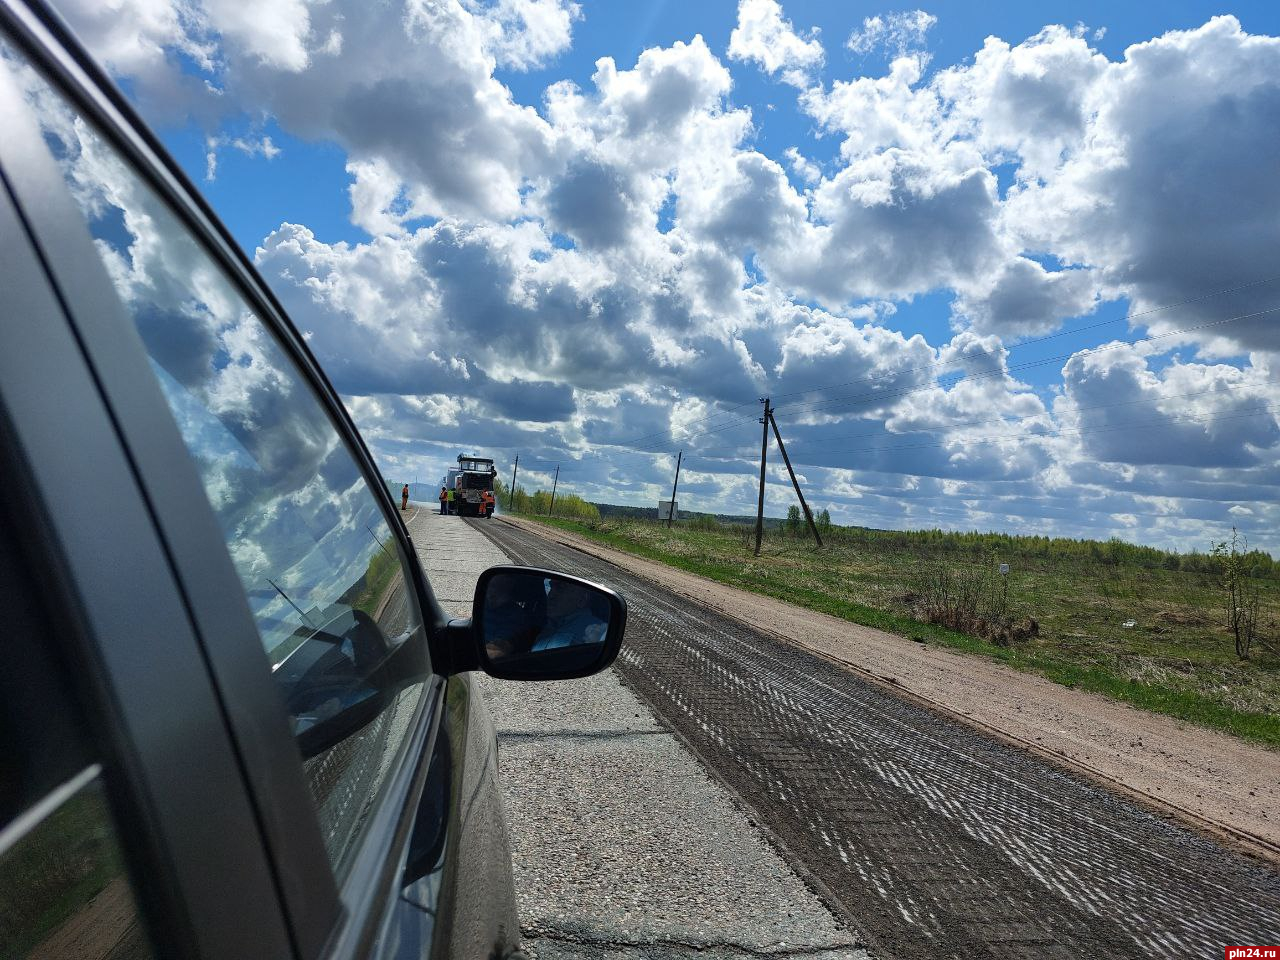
point(1240, 594)
point(793, 520)
point(824, 519)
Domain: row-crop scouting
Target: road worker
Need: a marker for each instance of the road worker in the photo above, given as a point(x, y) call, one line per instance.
point(449, 506)
point(404, 498)
point(444, 502)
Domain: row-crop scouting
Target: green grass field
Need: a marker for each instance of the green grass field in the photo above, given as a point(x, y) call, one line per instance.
point(1178, 659)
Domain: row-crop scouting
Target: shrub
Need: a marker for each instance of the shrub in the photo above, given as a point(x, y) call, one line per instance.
point(972, 600)
point(573, 506)
point(1239, 593)
point(793, 520)
point(539, 502)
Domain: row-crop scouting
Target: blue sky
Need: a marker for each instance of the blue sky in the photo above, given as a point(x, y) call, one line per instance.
point(494, 243)
point(308, 183)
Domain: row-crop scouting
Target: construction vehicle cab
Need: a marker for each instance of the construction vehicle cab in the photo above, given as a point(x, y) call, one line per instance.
point(472, 483)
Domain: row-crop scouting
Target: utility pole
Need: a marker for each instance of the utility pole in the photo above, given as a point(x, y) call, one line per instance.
point(764, 450)
point(552, 509)
point(511, 501)
point(794, 482)
point(671, 516)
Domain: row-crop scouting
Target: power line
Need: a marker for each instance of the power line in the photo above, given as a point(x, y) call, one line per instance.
point(663, 433)
point(667, 445)
point(663, 448)
point(1052, 336)
point(1029, 416)
point(1027, 365)
point(1062, 432)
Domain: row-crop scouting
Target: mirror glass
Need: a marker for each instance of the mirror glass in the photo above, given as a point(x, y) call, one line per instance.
point(533, 623)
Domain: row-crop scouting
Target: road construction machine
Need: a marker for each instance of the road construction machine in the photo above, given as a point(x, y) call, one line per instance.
point(472, 485)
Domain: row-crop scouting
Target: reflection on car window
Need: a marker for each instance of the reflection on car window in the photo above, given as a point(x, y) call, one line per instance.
point(63, 887)
point(313, 550)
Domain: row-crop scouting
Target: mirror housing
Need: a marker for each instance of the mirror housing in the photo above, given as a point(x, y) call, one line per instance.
point(533, 624)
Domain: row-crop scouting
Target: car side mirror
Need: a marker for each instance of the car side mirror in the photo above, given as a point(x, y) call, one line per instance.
point(532, 624)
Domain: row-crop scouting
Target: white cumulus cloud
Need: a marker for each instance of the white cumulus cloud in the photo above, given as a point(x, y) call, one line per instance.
point(617, 269)
point(765, 37)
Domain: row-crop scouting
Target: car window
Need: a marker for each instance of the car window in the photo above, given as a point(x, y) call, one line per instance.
point(64, 890)
point(313, 550)
point(63, 887)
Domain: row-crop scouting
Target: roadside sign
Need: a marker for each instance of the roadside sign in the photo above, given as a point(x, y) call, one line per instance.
point(664, 509)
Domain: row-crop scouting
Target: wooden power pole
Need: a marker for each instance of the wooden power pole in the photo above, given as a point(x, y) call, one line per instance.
point(672, 515)
point(551, 510)
point(511, 500)
point(794, 482)
point(764, 450)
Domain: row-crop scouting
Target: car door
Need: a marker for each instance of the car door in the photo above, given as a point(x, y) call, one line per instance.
point(111, 723)
point(65, 884)
point(314, 620)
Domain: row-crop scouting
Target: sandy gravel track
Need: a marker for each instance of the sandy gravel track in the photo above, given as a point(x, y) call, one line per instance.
point(1213, 782)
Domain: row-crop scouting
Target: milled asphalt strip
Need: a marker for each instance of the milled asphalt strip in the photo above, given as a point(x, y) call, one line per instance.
point(940, 840)
point(1254, 842)
point(623, 846)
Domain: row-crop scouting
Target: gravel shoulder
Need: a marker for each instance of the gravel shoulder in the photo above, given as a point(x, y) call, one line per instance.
point(1214, 783)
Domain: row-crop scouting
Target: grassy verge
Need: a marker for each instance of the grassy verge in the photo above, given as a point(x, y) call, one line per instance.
point(1174, 661)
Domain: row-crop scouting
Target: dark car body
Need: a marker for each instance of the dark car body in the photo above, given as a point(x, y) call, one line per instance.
point(161, 779)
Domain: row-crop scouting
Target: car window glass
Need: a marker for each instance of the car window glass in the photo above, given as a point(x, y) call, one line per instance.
point(64, 889)
point(313, 550)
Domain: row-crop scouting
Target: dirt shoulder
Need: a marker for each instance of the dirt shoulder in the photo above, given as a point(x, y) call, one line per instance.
point(1213, 782)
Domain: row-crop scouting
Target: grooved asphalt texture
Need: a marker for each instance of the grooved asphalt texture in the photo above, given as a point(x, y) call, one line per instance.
point(623, 846)
point(935, 840)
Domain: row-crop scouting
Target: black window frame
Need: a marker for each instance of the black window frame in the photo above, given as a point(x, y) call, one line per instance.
point(322, 919)
point(60, 759)
point(74, 491)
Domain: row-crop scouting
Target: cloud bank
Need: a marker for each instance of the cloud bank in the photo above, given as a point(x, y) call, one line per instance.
point(618, 271)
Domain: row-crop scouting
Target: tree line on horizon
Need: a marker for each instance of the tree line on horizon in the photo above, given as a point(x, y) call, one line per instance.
point(1252, 562)
point(538, 503)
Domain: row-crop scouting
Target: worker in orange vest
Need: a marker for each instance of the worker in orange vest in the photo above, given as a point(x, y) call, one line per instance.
point(484, 503)
point(404, 498)
point(444, 502)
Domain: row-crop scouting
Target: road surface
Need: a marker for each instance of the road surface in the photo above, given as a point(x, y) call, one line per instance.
point(623, 848)
point(929, 838)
